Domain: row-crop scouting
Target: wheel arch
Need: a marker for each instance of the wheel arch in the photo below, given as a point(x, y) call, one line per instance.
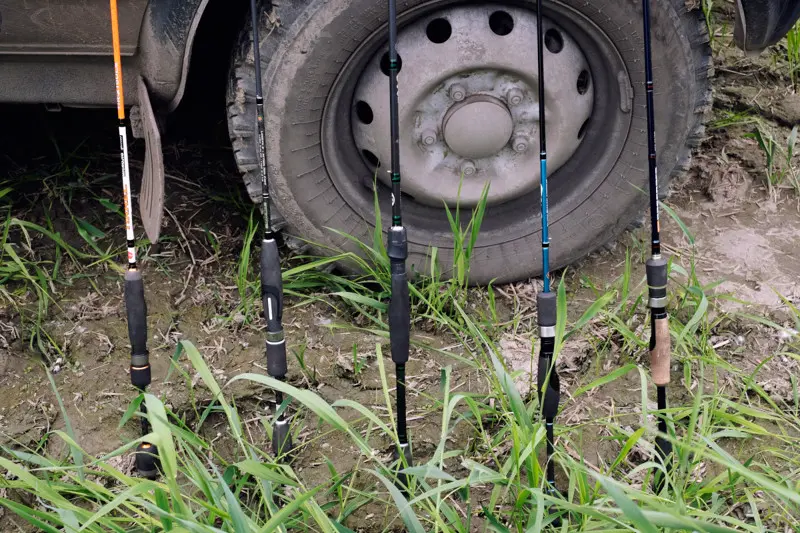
point(174, 36)
point(165, 47)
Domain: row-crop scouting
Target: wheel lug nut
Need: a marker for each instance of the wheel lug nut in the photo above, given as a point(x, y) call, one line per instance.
point(428, 137)
point(457, 92)
point(515, 96)
point(520, 144)
point(468, 168)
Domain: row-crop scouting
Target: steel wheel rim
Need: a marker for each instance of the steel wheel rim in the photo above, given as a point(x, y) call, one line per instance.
point(470, 116)
point(610, 121)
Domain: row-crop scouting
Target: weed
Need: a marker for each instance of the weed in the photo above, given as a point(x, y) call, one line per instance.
point(780, 165)
point(309, 373)
point(247, 294)
point(359, 363)
point(432, 293)
point(465, 237)
point(793, 54)
point(708, 8)
point(726, 119)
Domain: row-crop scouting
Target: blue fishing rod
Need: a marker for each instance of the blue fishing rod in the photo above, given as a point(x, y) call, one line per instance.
point(271, 279)
point(656, 268)
point(547, 377)
point(397, 250)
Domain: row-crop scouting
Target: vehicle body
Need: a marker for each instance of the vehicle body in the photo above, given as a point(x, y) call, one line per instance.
point(60, 52)
point(468, 118)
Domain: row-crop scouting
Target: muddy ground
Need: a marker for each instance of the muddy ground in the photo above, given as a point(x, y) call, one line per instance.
point(739, 233)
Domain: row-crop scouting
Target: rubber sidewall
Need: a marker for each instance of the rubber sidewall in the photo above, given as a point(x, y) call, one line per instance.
point(306, 55)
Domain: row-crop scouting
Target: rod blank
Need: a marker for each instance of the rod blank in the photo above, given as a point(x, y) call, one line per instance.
point(397, 250)
point(657, 275)
point(546, 302)
point(270, 271)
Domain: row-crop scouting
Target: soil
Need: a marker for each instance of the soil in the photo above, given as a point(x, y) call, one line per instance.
point(739, 233)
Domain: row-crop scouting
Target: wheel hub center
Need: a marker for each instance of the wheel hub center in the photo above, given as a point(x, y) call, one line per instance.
point(478, 127)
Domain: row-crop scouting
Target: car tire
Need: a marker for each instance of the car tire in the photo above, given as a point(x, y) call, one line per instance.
point(306, 49)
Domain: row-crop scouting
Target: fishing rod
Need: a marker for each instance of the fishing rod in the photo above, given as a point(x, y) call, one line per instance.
point(147, 462)
point(271, 280)
point(397, 250)
point(546, 303)
point(656, 268)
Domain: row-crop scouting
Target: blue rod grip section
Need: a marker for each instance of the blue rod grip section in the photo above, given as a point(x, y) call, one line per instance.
point(545, 227)
point(546, 270)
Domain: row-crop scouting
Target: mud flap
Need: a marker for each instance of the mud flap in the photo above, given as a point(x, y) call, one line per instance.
point(151, 196)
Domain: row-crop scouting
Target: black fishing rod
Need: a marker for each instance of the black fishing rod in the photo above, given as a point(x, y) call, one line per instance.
point(397, 250)
point(147, 463)
point(656, 268)
point(547, 377)
point(271, 280)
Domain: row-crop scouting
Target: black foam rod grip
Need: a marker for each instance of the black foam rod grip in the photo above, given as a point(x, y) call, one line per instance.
point(403, 453)
point(657, 272)
point(664, 451)
point(271, 284)
point(399, 314)
point(664, 448)
point(137, 312)
point(546, 306)
point(147, 462)
point(549, 387)
point(277, 367)
point(657, 277)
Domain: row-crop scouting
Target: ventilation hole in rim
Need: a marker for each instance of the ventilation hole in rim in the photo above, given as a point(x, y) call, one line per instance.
point(385, 63)
point(582, 131)
point(553, 41)
point(501, 23)
point(371, 158)
point(364, 112)
point(583, 82)
point(439, 30)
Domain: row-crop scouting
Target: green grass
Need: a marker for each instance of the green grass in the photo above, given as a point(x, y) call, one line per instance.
point(793, 54)
point(310, 279)
point(707, 7)
point(736, 447)
point(780, 169)
point(726, 119)
point(36, 260)
point(737, 454)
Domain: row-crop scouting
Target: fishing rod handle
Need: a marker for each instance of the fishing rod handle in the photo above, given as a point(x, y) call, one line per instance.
point(660, 342)
point(272, 299)
point(136, 309)
point(147, 462)
point(546, 312)
point(664, 454)
point(281, 438)
point(406, 459)
point(400, 303)
point(547, 377)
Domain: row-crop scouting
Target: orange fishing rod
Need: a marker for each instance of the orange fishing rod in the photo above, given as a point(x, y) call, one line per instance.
point(146, 453)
